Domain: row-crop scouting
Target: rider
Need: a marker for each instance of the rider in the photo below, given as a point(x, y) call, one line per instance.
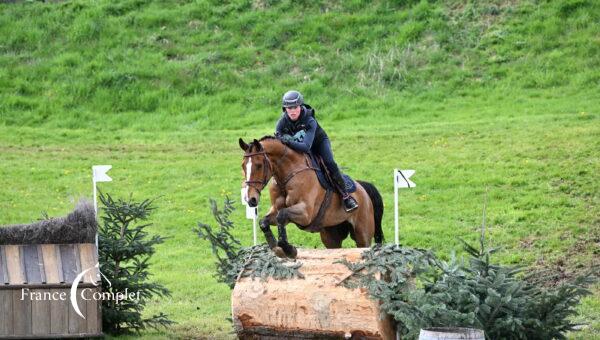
point(298, 128)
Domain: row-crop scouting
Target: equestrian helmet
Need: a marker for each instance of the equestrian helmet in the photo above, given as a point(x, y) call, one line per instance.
point(292, 98)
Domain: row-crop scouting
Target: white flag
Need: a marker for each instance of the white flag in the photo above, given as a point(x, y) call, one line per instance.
point(100, 173)
point(402, 178)
point(251, 213)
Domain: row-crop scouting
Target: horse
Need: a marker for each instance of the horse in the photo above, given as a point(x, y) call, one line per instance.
point(296, 196)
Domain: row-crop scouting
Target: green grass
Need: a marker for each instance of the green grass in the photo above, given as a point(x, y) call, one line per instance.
point(489, 96)
point(542, 191)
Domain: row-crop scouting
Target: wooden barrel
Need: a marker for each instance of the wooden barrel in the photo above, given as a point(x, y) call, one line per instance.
point(316, 307)
point(451, 333)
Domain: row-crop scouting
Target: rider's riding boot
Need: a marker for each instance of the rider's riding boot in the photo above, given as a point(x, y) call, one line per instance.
point(350, 203)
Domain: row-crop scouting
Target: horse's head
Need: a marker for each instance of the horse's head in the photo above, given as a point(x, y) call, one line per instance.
point(256, 167)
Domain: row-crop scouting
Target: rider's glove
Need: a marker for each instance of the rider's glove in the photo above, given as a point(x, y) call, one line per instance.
point(286, 138)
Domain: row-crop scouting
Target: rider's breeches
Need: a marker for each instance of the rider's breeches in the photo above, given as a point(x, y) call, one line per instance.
point(324, 150)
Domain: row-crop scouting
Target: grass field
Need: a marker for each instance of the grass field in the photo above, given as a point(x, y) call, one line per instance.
point(492, 96)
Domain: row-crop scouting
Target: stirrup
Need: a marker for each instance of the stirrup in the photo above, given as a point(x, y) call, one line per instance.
point(350, 204)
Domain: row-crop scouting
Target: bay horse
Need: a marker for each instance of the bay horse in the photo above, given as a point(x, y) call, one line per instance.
point(297, 196)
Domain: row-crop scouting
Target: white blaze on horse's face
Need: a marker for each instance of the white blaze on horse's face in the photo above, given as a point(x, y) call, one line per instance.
point(248, 177)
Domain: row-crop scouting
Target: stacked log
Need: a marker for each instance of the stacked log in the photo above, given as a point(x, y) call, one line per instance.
point(315, 307)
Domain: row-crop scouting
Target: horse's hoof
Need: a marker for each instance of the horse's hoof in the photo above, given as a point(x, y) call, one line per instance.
point(290, 250)
point(279, 252)
point(293, 253)
point(272, 244)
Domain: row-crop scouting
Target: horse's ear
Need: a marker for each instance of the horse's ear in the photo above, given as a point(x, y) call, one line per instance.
point(258, 145)
point(243, 145)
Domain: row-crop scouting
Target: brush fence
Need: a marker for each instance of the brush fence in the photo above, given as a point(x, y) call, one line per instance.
point(35, 284)
point(316, 307)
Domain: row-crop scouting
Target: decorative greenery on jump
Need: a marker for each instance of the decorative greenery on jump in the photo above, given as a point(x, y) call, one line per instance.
point(233, 261)
point(420, 290)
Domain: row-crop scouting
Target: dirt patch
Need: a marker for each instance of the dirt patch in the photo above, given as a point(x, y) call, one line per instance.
point(582, 258)
point(527, 242)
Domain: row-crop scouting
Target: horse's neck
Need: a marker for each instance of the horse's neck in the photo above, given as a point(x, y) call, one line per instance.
point(284, 159)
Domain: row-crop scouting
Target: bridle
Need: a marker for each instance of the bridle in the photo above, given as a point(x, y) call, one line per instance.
point(266, 165)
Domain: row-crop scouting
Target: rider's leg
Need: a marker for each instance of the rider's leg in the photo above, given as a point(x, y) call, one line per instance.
point(324, 150)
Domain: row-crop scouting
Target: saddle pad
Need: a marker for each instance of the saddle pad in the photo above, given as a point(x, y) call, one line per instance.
point(350, 186)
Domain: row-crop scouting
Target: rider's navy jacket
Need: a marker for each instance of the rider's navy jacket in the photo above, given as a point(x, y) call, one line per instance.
point(314, 133)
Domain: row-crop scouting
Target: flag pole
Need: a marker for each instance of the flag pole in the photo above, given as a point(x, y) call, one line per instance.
point(396, 223)
point(95, 206)
point(254, 224)
point(401, 180)
point(99, 175)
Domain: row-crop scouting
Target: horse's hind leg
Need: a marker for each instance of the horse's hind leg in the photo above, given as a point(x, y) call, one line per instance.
point(332, 237)
point(363, 232)
point(363, 241)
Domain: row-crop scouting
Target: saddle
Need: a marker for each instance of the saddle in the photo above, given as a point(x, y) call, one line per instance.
point(325, 178)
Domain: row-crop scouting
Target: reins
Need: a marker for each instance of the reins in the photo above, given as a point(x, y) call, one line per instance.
point(294, 173)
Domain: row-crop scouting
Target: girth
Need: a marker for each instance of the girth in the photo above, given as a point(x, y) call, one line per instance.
point(315, 225)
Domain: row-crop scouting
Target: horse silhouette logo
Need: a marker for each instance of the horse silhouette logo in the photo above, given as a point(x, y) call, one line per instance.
point(76, 284)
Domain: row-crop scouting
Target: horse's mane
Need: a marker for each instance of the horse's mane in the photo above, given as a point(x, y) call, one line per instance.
point(267, 137)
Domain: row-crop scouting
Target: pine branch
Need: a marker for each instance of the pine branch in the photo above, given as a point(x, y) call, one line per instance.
point(233, 261)
point(125, 249)
point(419, 290)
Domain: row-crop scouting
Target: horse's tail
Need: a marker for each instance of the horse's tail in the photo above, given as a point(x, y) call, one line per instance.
point(377, 209)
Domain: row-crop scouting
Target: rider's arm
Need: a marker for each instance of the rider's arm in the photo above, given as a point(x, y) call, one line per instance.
point(306, 144)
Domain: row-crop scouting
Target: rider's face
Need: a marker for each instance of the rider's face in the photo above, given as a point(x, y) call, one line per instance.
point(293, 112)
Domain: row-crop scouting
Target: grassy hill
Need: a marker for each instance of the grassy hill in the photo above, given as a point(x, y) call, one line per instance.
point(496, 96)
point(182, 64)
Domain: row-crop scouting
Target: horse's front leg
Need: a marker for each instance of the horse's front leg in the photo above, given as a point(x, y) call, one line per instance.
point(296, 213)
point(277, 203)
point(265, 226)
